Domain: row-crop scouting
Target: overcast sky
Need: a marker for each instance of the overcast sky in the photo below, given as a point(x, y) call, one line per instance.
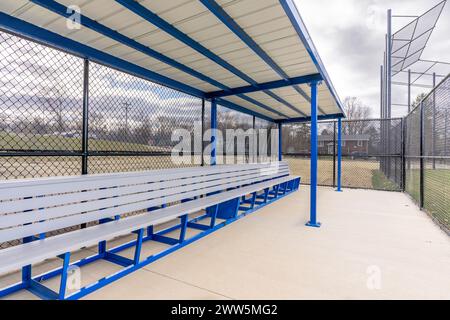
point(349, 35)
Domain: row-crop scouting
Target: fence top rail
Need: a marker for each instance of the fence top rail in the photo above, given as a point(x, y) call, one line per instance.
point(429, 94)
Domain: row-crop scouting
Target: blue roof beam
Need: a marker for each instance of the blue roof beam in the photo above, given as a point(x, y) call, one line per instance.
point(282, 101)
point(266, 86)
point(307, 98)
point(261, 105)
point(154, 19)
point(220, 13)
point(234, 106)
point(217, 10)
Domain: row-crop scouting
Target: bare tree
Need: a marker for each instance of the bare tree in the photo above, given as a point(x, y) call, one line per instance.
point(355, 110)
point(53, 102)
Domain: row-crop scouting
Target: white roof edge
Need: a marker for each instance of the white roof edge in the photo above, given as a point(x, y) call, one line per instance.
point(297, 21)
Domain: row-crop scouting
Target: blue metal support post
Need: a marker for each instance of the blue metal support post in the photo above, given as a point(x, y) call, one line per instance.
point(339, 155)
point(314, 154)
point(280, 142)
point(63, 280)
point(213, 131)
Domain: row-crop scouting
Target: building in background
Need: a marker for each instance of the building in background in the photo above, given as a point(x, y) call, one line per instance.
point(352, 145)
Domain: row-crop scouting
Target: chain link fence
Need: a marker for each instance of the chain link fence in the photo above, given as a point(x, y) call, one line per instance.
point(297, 152)
point(371, 153)
point(128, 122)
point(249, 139)
point(427, 154)
point(61, 115)
point(40, 99)
point(131, 122)
point(57, 109)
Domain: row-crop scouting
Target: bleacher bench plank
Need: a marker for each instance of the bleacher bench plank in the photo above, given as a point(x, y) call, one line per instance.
point(32, 207)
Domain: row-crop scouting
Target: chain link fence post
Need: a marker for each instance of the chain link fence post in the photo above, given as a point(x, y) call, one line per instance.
point(334, 154)
point(421, 153)
point(203, 133)
point(85, 126)
point(85, 123)
point(403, 145)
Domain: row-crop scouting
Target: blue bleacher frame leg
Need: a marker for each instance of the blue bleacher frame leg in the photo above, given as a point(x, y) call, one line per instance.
point(26, 270)
point(184, 221)
point(102, 244)
point(40, 290)
point(296, 184)
point(252, 204)
point(283, 187)
point(290, 186)
point(137, 252)
point(150, 232)
point(102, 247)
point(35, 286)
point(214, 216)
point(236, 208)
point(275, 191)
point(266, 195)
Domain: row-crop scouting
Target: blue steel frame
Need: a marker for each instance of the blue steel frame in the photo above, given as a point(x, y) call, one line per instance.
point(55, 40)
point(228, 211)
point(309, 119)
point(241, 208)
point(154, 19)
point(221, 14)
point(266, 85)
point(339, 155)
point(51, 39)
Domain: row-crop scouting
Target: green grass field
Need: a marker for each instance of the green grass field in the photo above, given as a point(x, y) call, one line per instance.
point(436, 192)
point(381, 182)
point(358, 173)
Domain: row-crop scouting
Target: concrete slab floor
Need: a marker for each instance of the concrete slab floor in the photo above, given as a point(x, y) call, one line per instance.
point(372, 245)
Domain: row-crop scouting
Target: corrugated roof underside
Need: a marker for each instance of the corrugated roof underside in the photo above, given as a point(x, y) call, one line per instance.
point(265, 21)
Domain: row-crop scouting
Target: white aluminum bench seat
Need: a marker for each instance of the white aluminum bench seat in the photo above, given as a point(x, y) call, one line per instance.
point(16, 257)
point(31, 208)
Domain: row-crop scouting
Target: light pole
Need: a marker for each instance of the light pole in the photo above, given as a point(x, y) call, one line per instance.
point(126, 105)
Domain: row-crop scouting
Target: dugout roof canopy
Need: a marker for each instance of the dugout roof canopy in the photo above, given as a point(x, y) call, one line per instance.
point(254, 56)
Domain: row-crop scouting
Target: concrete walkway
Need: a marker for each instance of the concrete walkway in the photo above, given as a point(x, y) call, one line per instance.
point(372, 245)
